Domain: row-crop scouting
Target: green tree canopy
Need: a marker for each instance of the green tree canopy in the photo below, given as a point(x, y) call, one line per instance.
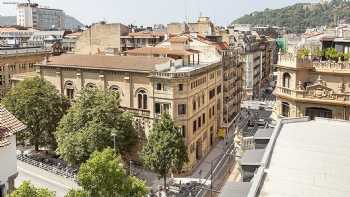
point(88, 126)
point(103, 176)
point(37, 103)
point(165, 149)
point(26, 189)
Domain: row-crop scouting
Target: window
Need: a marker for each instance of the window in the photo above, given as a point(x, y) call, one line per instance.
point(194, 105)
point(194, 126)
point(158, 86)
point(213, 111)
point(114, 88)
point(182, 130)
point(285, 109)
point(181, 87)
point(211, 93)
point(90, 85)
point(200, 122)
point(166, 108)
point(203, 118)
point(69, 89)
point(203, 99)
point(181, 109)
point(209, 113)
point(142, 99)
point(218, 90)
point(286, 80)
point(157, 108)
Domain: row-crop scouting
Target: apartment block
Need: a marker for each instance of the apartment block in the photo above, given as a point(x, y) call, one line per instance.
point(16, 61)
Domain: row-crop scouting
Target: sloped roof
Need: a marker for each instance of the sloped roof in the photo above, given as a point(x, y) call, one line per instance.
point(122, 63)
point(9, 125)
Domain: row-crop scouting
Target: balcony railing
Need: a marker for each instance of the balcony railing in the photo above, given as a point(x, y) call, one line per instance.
point(138, 112)
point(314, 94)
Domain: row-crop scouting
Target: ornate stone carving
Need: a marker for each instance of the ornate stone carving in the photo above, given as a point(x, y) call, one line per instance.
point(320, 91)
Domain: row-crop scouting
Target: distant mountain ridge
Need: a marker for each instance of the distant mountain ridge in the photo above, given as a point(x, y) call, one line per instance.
point(70, 22)
point(298, 17)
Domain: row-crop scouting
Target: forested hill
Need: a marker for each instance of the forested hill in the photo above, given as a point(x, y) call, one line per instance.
point(300, 16)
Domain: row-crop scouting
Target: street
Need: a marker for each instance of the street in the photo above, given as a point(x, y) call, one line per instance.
point(42, 178)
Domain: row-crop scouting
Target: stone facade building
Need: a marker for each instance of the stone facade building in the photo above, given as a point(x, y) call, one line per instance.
point(184, 76)
point(101, 38)
point(315, 89)
point(15, 61)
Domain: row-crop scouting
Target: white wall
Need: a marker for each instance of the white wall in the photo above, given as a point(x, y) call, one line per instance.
point(8, 161)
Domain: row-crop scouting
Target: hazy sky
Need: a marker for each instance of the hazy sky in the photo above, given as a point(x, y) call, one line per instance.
point(148, 12)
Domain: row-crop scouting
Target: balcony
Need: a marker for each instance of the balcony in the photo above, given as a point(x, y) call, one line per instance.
point(138, 112)
point(334, 67)
point(316, 94)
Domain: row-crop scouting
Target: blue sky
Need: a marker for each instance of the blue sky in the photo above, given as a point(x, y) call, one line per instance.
point(148, 12)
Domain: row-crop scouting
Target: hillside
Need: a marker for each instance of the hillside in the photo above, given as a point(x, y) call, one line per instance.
point(70, 22)
point(300, 16)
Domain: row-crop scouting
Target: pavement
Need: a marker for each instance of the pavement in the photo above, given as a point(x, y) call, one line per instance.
point(41, 178)
point(204, 168)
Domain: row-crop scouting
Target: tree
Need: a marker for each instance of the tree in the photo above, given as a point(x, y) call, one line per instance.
point(88, 126)
point(103, 176)
point(26, 189)
point(165, 149)
point(77, 193)
point(37, 103)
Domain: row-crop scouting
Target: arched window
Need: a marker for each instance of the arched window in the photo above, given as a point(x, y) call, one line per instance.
point(286, 80)
point(115, 89)
point(285, 109)
point(142, 99)
point(91, 85)
point(69, 89)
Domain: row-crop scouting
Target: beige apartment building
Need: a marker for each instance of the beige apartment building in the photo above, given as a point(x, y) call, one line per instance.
point(15, 61)
point(101, 38)
point(315, 89)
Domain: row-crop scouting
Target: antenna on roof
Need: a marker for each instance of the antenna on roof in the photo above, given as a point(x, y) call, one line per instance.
point(185, 6)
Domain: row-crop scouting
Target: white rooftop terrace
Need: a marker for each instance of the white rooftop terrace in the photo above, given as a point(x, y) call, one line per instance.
point(306, 158)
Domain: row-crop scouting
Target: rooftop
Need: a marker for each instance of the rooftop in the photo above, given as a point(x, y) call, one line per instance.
point(9, 125)
point(122, 63)
point(160, 51)
point(305, 158)
point(16, 51)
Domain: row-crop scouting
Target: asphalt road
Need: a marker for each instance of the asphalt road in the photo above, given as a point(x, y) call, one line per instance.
point(42, 178)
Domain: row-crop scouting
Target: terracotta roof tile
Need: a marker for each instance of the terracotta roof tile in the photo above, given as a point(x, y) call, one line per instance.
point(9, 124)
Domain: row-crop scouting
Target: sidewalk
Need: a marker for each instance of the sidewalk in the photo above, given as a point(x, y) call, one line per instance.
point(203, 169)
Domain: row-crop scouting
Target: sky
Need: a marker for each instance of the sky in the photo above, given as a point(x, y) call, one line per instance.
point(149, 12)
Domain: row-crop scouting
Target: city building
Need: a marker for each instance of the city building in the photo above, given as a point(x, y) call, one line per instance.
point(259, 53)
point(9, 126)
point(142, 39)
point(17, 60)
point(101, 38)
point(312, 88)
point(15, 36)
point(302, 158)
point(69, 41)
point(182, 76)
point(31, 15)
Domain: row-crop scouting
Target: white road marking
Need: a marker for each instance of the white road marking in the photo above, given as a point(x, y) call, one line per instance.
point(44, 178)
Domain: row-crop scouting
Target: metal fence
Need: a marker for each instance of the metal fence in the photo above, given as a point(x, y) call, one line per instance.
point(57, 169)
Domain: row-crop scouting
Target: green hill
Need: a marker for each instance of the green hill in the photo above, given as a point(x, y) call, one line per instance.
point(298, 17)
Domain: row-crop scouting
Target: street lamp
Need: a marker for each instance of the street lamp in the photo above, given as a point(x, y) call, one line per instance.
point(114, 135)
